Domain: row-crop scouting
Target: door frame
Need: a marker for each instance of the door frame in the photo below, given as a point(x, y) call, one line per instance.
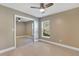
point(14, 33)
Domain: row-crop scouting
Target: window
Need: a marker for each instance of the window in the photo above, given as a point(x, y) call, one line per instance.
point(46, 29)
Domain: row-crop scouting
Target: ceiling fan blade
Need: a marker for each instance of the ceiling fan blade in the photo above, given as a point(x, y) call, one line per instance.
point(41, 5)
point(36, 7)
point(48, 5)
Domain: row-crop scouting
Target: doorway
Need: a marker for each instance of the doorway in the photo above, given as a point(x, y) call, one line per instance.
point(24, 31)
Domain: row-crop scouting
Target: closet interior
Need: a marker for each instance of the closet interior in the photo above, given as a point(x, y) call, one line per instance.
point(24, 31)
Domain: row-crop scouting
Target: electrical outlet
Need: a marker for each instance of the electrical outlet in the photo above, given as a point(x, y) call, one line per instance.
point(60, 40)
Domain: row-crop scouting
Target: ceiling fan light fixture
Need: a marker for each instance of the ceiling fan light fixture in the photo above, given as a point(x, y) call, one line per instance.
point(42, 10)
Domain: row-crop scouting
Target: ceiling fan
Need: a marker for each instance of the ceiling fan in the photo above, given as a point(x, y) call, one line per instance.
point(43, 6)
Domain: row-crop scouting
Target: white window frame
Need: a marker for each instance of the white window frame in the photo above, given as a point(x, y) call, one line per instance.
point(42, 29)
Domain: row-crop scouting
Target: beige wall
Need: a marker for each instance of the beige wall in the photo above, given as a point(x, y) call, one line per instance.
point(6, 26)
point(29, 28)
point(20, 28)
point(64, 27)
point(24, 28)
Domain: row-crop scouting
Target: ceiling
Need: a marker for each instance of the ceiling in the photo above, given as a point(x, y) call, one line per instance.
point(56, 8)
point(22, 19)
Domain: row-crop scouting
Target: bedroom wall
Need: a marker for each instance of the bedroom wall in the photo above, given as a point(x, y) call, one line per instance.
point(64, 27)
point(28, 27)
point(7, 25)
point(24, 28)
point(20, 28)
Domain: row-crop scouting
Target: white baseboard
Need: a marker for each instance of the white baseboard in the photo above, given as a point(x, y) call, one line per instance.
point(36, 40)
point(62, 45)
point(23, 36)
point(8, 49)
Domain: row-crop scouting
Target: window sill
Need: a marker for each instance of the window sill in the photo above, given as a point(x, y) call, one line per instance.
point(45, 37)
